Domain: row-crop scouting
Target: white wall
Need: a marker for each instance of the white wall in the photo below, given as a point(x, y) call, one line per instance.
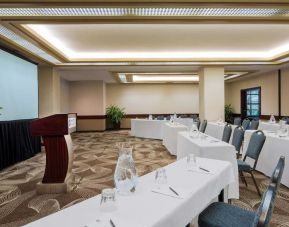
point(154, 98)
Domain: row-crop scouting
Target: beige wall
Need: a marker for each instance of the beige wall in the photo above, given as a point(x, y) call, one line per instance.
point(49, 91)
point(64, 96)
point(269, 92)
point(154, 98)
point(87, 97)
point(212, 93)
point(285, 93)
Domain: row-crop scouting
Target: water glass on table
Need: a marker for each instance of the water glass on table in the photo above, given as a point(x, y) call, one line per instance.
point(192, 162)
point(108, 200)
point(161, 176)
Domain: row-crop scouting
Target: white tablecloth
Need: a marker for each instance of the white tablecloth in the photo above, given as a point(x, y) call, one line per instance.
point(208, 149)
point(170, 136)
point(215, 130)
point(152, 129)
point(273, 148)
point(185, 121)
point(263, 125)
point(148, 209)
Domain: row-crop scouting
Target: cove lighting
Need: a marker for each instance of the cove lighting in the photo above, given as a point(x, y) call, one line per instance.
point(45, 33)
point(164, 78)
point(9, 34)
point(145, 12)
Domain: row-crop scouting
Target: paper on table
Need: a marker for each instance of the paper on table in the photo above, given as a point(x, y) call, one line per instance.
point(98, 223)
point(165, 190)
point(201, 171)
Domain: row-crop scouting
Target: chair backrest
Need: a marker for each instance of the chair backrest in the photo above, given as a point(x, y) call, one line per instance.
point(237, 121)
point(238, 137)
point(265, 210)
point(160, 117)
point(197, 122)
point(227, 133)
point(286, 119)
point(254, 124)
point(246, 124)
point(203, 126)
point(255, 146)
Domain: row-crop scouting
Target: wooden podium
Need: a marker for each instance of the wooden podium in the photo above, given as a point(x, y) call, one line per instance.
point(55, 131)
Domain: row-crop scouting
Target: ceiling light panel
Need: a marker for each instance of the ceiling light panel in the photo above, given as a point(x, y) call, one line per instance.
point(149, 11)
point(164, 78)
point(9, 34)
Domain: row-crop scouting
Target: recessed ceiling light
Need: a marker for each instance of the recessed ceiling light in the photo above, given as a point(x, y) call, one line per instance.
point(9, 34)
point(122, 77)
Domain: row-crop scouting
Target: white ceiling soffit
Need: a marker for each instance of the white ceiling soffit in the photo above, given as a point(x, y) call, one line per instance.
point(79, 75)
point(190, 43)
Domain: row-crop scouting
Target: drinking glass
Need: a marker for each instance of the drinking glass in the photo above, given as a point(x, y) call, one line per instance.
point(108, 200)
point(161, 176)
point(192, 162)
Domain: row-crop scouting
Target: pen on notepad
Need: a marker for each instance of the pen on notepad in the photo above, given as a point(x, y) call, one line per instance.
point(111, 223)
point(204, 169)
point(173, 191)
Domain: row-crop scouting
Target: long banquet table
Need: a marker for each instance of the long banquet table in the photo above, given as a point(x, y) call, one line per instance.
point(148, 209)
point(170, 136)
point(215, 129)
point(185, 121)
point(145, 128)
point(273, 148)
point(263, 125)
point(210, 148)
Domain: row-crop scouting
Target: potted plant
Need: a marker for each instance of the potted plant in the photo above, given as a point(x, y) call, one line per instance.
point(228, 113)
point(115, 114)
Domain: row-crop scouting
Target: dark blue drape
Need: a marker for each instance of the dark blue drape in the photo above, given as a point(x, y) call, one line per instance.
point(16, 142)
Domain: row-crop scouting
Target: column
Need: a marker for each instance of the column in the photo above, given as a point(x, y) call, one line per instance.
point(211, 93)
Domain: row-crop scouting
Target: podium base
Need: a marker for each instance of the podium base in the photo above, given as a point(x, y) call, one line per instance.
point(57, 188)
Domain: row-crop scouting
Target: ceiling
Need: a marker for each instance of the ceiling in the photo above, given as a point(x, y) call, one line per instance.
point(103, 38)
point(122, 42)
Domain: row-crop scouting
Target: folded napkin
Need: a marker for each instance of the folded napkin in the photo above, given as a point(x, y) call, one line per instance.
point(165, 190)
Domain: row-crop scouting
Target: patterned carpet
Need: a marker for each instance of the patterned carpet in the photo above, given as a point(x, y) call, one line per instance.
point(94, 162)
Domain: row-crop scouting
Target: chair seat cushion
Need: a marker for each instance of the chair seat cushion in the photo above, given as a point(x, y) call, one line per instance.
point(225, 215)
point(243, 166)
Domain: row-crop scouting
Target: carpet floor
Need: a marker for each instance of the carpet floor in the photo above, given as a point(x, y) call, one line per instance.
point(95, 157)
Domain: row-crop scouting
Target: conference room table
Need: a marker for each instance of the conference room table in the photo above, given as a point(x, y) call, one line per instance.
point(145, 128)
point(149, 206)
point(268, 126)
point(185, 121)
point(170, 136)
point(216, 129)
point(209, 147)
point(273, 148)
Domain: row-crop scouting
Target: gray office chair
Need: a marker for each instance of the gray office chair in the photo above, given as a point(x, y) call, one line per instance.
point(237, 140)
point(254, 124)
point(203, 126)
point(227, 133)
point(237, 121)
point(246, 124)
point(253, 151)
point(226, 215)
